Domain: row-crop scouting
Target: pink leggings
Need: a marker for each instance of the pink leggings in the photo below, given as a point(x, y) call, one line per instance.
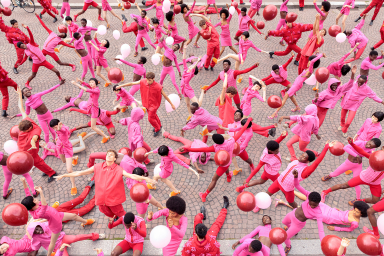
point(65, 8)
point(351, 115)
point(8, 178)
point(44, 124)
point(141, 34)
point(70, 239)
point(91, 50)
point(169, 71)
point(294, 226)
point(354, 167)
point(302, 145)
point(280, 25)
point(87, 63)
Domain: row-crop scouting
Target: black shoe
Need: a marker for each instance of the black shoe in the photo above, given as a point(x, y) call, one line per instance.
point(301, 9)
point(15, 71)
point(144, 48)
point(116, 219)
point(153, 130)
point(371, 23)
point(226, 202)
point(143, 2)
point(155, 134)
point(272, 132)
point(204, 212)
point(211, 68)
point(44, 174)
point(50, 179)
point(206, 68)
point(296, 63)
point(54, 20)
point(124, 18)
point(356, 20)
point(30, 59)
point(242, 3)
point(271, 54)
point(41, 16)
point(372, 48)
point(91, 183)
point(4, 113)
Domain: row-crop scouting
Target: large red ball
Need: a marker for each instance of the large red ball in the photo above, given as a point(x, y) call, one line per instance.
point(125, 1)
point(139, 153)
point(269, 12)
point(115, 75)
point(62, 29)
point(322, 75)
point(376, 160)
point(246, 201)
point(330, 245)
point(334, 30)
point(176, 9)
point(126, 151)
point(14, 132)
point(382, 75)
point(236, 149)
point(20, 162)
point(274, 101)
point(260, 24)
point(7, 11)
point(205, 34)
point(139, 193)
point(369, 244)
point(337, 149)
point(222, 158)
point(132, 1)
point(235, 4)
point(15, 214)
point(127, 5)
point(291, 17)
point(277, 235)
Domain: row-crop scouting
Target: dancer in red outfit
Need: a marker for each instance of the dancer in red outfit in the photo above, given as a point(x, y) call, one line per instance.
point(88, 3)
point(382, 38)
point(5, 82)
point(374, 3)
point(224, 102)
point(377, 207)
point(15, 35)
point(133, 28)
point(48, 8)
point(203, 242)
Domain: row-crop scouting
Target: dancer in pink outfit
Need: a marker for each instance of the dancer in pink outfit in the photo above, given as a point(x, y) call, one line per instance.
point(138, 73)
point(159, 11)
point(255, 7)
point(143, 28)
point(126, 99)
point(86, 59)
point(339, 68)
point(347, 6)
point(355, 36)
point(251, 247)
point(83, 29)
point(225, 35)
point(366, 65)
point(282, 22)
point(324, 11)
point(107, 7)
point(65, 8)
point(172, 28)
point(244, 22)
point(101, 61)
point(371, 127)
point(192, 29)
point(177, 223)
point(11, 247)
point(158, 29)
point(252, 92)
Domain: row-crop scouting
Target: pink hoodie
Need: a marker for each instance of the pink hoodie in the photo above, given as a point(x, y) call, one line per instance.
point(307, 123)
point(203, 117)
point(135, 138)
point(329, 98)
point(17, 246)
point(358, 37)
point(44, 239)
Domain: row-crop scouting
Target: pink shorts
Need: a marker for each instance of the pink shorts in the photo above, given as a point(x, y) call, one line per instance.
point(68, 153)
point(142, 207)
point(210, 1)
point(101, 62)
point(106, 6)
point(164, 174)
point(55, 224)
point(86, 5)
point(93, 111)
point(187, 91)
point(126, 102)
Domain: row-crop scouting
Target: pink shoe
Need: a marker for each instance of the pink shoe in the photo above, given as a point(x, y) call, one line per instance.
point(73, 68)
point(256, 209)
point(196, 46)
point(298, 109)
point(270, 117)
point(323, 195)
point(277, 202)
point(203, 197)
point(100, 18)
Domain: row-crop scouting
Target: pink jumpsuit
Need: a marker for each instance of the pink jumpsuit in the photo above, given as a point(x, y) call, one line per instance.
point(323, 16)
point(175, 34)
point(169, 70)
point(93, 100)
point(369, 130)
point(346, 10)
point(17, 246)
point(63, 145)
point(86, 60)
point(186, 88)
point(126, 98)
point(142, 33)
point(225, 35)
point(167, 165)
point(246, 104)
point(159, 13)
point(357, 37)
point(138, 70)
point(101, 61)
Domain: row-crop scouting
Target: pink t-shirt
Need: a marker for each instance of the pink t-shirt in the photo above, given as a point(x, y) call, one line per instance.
point(272, 162)
point(167, 161)
point(129, 164)
point(35, 53)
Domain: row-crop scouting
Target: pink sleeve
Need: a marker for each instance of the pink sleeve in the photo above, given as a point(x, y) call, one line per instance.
point(123, 121)
point(318, 10)
point(129, 63)
point(26, 190)
point(349, 150)
point(60, 253)
point(191, 124)
point(319, 219)
point(360, 25)
point(313, 62)
point(294, 118)
point(150, 8)
point(230, 17)
point(183, 228)
point(239, 249)
point(218, 24)
point(158, 214)
point(362, 128)
point(354, 225)
point(378, 132)
point(347, 86)
point(40, 212)
point(300, 188)
point(252, 234)
point(254, 47)
point(178, 161)
point(371, 94)
point(344, 57)
point(190, 10)
point(259, 97)
point(371, 66)
point(156, 151)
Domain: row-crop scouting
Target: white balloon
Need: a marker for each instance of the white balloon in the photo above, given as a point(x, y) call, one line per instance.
point(89, 23)
point(160, 236)
point(165, 8)
point(65, 22)
point(119, 57)
point(340, 38)
point(116, 34)
point(125, 50)
point(6, 3)
point(155, 59)
point(10, 146)
point(380, 223)
point(167, 3)
point(169, 40)
point(263, 200)
point(102, 30)
point(311, 80)
point(232, 10)
point(157, 170)
point(175, 99)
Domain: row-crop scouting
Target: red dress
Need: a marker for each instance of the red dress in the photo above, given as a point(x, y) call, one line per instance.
point(310, 47)
point(226, 112)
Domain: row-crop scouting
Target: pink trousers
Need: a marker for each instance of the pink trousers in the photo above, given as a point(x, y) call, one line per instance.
point(354, 167)
point(44, 124)
point(294, 226)
point(140, 35)
point(65, 8)
point(169, 71)
point(345, 124)
point(280, 25)
point(302, 145)
point(87, 63)
point(8, 178)
point(91, 50)
point(134, 89)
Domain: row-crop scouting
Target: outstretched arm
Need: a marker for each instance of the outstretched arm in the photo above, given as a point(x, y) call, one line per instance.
point(238, 135)
point(20, 103)
point(223, 91)
point(43, 24)
point(128, 84)
point(31, 39)
point(190, 10)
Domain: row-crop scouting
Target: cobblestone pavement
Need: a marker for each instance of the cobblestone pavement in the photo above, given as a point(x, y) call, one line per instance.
point(238, 223)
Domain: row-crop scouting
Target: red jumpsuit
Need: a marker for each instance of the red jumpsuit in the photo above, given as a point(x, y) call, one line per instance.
point(374, 3)
point(132, 28)
point(151, 99)
point(213, 44)
point(310, 47)
point(382, 37)
point(5, 81)
point(48, 8)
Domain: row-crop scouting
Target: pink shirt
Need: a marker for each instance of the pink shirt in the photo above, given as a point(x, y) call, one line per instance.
point(125, 97)
point(17, 246)
point(94, 94)
point(369, 130)
point(78, 43)
point(203, 118)
point(43, 240)
point(242, 249)
point(101, 51)
point(231, 80)
point(138, 68)
point(46, 153)
point(282, 76)
point(245, 45)
point(141, 21)
point(243, 22)
point(350, 150)
point(284, 7)
point(34, 101)
point(35, 53)
point(196, 155)
point(232, 126)
point(228, 146)
point(186, 77)
point(135, 137)
point(329, 98)
point(131, 236)
point(159, 31)
point(104, 119)
point(358, 37)
point(82, 30)
point(73, 27)
point(367, 64)
point(355, 96)
point(45, 212)
point(244, 138)
point(371, 176)
point(286, 178)
point(335, 67)
point(307, 123)
point(272, 162)
point(167, 161)
point(333, 216)
point(246, 101)
point(52, 41)
point(129, 164)
point(63, 139)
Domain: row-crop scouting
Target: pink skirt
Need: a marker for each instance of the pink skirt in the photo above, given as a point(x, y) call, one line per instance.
point(164, 174)
point(101, 62)
point(187, 91)
point(66, 151)
point(93, 111)
point(225, 40)
point(345, 10)
point(55, 224)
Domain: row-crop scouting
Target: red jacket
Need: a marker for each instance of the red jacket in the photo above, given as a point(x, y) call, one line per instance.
point(293, 34)
point(13, 34)
point(3, 74)
point(150, 94)
point(208, 247)
point(382, 31)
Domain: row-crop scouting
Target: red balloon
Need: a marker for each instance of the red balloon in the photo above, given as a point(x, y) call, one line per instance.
point(176, 9)
point(20, 162)
point(330, 245)
point(334, 30)
point(369, 244)
point(274, 101)
point(291, 17)
point(235, 4)
point(115, 75)
point(127, 6)
point(132, 1)
point(139, 193)
point(322, 75)
point(246, 201)
point(376, 160)
point(62, 29)
point(205, 34)
point(236, 149)
point(126, 151)
point(6, 11)
point(260, 24)
point(139, 153)
point(14, 132)
point(382, 75)
point(269, 12)
point(15, 214)
point(337, 149)
point(222, 158)
point(125, 1)
point(277, 235)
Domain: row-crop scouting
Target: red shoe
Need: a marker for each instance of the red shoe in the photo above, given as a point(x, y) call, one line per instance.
point(282, 93)
point(240, 189)
point(29, 87)
point(74, 18)
point(367, 230)
point(203, 197)
point(166, 134)
point(73, 68)
point(100, 18)
point(229, 177)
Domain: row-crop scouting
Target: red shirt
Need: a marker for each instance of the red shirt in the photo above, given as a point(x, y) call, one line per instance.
point(110, 189)
point(226, 111)
point(13, 35)
point(24, 140)
point(207, 247)
point(215, 38)
point(293, 34)
point(150, 94)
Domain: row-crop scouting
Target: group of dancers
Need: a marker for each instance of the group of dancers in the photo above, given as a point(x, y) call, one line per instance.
point(232, 130)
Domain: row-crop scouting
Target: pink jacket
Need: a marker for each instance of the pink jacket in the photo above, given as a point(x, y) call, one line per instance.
point(249, 95)
point(166, 161)
point(94, 94)
point(138, 68)
point(52, 41)
point(307, 123)
point(329, 98)
point(17, 246)
point(73, 27)
point(350, 150)
point(369, 130)
point(367, 64)
point(243, 22)
point(128, 164)
point(63, 139)
point(358, 37)
point(135, 138)
point(335, 67)
point(202, 117)
point(44, 239)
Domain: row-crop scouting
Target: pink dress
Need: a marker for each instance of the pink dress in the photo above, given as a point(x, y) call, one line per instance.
point(17, 246)
point(306, 124)
point(93, 101)
point(369, 130)
point(346, 10)
point(135, 138)
point(225, 35)
point(186, 88)
point(192, 29)
point(203, 118)
point(177, 232)
point(159, 12)
point(63, 145)
point(335, 67)
point(175, 34)
point(166, 165)
point(101, 61)
point(246, 104)
point(334, 216)
point(126, 98)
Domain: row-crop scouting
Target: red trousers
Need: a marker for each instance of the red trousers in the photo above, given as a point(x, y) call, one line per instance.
point(68, 239)
point(110, 211)
point(244, 155)
point(212, 51)
point(154, 120)
point(301, 3)
point(132, 28)
point(186, 143)
point(290, 47)
point(358, 55)
point(303, 64)
point(321, 113)
point(263, 131)
point(351, 115)
point(4, 91)
point(378, 44)
point(374, 3)
point(216, 226)
point(42, 166)
point(379, 206)
point(21, 57)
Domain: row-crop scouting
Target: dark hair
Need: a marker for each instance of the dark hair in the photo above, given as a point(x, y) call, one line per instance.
point(168, 16)
point(144, 11)
point(314, 197)
point(25, 125)
point(268, 217)
point(225, 11)
point(345, 69)
point(256, 245)
point(155, 20)
point(150, 75)
point(65, 35)
point(163, 150)
point(178, 46)
point(138, 171)
point(19, 44)
point(183, 6)
point(196, 71)
point(239, 111)
point(54, 122)
point(13, 22)
point(257, 82)
point(272, 145)
point(115, 88)
point(83, 19)
point(246, 34)
point(107, 44)
point(201, 230)
point(372, 53)
point(232, 90)
point(76, 35)
point(143, 59)
point(311, 155)
point(28, 202)
point(195, 104)
point(176, 204)
point(379, 115)
point(244, 121)
point(227, 61)
point(363, 77)
point(362, 207)
point(22, 91)
point(326, 5)
point(244, 9)
point(218, 139)
point(95, 80)
point(317, 63)
point(274, 67)
point(68, 18)
point(377, 142)
point(113, 151)
point(201, 23)
point(129, 218)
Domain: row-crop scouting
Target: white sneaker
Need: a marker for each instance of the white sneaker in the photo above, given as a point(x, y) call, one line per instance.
point(345, 135)
point(339, 128)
